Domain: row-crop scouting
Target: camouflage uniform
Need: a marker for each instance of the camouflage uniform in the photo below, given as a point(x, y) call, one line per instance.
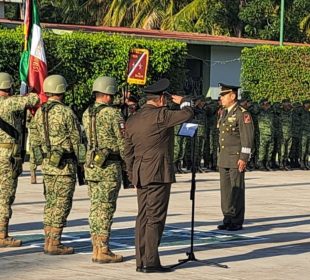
point(255, 110)
point(295, 151)
point(265, 138)
point(10, 111)
point(286, 137)
point(104, 183)
point(32, 164)
point(104, 128)
point(59, 182)
point(305, 139)
point(56, 138)
point(212, 133)
point(277, 135)
point(179, 150)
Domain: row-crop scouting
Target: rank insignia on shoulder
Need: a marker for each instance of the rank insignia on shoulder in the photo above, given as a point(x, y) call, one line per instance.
point(247, 118)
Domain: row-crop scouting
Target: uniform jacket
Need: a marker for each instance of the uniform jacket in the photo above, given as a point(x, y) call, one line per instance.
point(63, 132)
point(11, 111)
point(110, 136)
point(236, 137)
point(149, 140)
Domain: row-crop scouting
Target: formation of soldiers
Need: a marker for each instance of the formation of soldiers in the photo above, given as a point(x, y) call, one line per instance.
point(282, 136)
point(63, 146)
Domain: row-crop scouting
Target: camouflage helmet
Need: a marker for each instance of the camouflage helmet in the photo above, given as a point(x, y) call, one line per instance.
point(106, 85)
point(55, 84)
point(6, 80)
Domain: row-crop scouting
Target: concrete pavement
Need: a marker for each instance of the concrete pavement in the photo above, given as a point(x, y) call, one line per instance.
point(275, 242)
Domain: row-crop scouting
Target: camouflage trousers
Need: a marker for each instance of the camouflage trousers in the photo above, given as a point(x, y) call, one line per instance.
point(286, 143)
point(32, 165)
point(8, 187)
point(58, 192)
point(103, 196)
point(305, 146)
point(265, 148)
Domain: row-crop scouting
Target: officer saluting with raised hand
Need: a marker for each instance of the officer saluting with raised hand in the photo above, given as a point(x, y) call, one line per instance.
point(236, 141)
point(149, 139)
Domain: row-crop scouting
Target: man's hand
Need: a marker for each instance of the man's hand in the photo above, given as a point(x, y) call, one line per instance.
point(241, 165)
point(176, 98)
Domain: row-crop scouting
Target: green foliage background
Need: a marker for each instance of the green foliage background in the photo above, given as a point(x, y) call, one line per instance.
point(276, 72)
point(82, 57)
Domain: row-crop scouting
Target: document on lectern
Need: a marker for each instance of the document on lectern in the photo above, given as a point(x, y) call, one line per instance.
point(188, 129)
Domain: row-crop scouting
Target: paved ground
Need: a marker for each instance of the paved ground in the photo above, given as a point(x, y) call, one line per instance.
point(275, 243)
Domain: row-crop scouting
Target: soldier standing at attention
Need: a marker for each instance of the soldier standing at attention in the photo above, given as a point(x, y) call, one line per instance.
point(103, 125)
point(149, 162)
point(56, 132)
point(305, 138)
point(236, 142)
point(266, 133)
point(10, 151)
point(286, 131)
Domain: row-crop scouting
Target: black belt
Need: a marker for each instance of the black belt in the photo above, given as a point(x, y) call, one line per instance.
point(64, 156)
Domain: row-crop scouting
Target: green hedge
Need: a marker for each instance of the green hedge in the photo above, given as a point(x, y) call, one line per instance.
point(276, 72)
point(82, 57)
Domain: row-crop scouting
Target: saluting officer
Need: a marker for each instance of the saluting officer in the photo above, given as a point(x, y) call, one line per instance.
point(236, 142)
point(10, 151)
point(149, 161)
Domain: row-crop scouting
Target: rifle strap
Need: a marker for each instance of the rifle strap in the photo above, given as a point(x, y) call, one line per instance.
point(92, 124)
point(46, 107)
point(9, 129)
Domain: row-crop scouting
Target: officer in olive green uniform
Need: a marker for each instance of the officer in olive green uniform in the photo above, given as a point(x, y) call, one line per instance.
point(11, 108)
point(236, 142)
point(104, 128)
point(57, 145)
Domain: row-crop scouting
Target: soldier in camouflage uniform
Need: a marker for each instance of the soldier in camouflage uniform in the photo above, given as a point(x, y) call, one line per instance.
point(305, 140)
point(179, 150)
point(211, 142)
point(32, 165)
point(57, 145)
point(10, 151)
point(265, 136)
point(286, 133)
point(277, 135)
point(295, 151)
point(103, 124)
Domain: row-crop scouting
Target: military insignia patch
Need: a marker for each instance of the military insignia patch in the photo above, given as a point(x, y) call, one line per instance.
point(247, 118)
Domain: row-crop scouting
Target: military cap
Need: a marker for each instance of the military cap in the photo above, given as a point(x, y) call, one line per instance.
point(264, 100)
point(134, 98)
point(286, 100)
point(158, 87)
point(224, 89)
point(306, 102)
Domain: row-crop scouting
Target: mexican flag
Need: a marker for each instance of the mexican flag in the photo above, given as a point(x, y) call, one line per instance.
point(33, 67)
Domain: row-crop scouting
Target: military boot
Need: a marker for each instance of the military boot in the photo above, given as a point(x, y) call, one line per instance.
point(104, 254)
point(47, 232)
point(5, 239)
point(33, 177)
point(95, 248)
point(179, 167)
point(54, 245)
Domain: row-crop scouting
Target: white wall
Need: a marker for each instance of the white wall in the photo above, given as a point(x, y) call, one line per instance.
point(1, 10)
point(225, 67)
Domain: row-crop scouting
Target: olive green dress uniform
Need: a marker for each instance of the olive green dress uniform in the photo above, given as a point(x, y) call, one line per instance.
point(149, 162)
point(236, 142)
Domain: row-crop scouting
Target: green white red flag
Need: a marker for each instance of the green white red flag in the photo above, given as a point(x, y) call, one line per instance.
point(33, 67)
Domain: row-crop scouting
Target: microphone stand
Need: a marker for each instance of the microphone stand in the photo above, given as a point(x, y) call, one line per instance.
point(191, 254)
